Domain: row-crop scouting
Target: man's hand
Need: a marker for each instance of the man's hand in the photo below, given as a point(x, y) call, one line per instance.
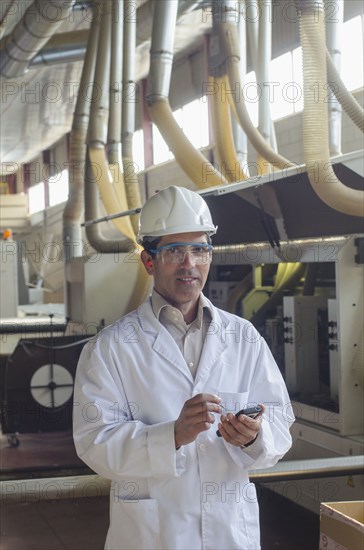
point(242, 430)
point(195, 417)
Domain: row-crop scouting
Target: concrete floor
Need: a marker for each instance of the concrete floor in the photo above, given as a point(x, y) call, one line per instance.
point(81, 523)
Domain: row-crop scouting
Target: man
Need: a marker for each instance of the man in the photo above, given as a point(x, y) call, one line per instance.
point(159, 398)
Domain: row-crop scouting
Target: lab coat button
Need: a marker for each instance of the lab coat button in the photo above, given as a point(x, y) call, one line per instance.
point(206, 506)
point(202, 447)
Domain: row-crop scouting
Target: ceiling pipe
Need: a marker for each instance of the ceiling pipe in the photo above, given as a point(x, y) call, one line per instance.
point(315, 117)
point(116, 109)
point(81, 178)
point(65, 47)
point(229, 39)
point(128, 119)
point(264, 58)
point(7, 10)
point(195, 164)
point(41, 20)
point(68, 48)
point(94, 233)
point(350, 105)
point(222, 104)
point(100, 169)
point(99, 118)
point(239, 136)
point(253, 34)
point(74, 208)
point(334, 45)
point(230, 164)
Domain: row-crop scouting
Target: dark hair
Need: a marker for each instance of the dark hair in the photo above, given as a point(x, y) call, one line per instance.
point(150, 243)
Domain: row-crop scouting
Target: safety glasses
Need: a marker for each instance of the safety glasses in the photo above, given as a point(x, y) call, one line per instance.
point(200, 253)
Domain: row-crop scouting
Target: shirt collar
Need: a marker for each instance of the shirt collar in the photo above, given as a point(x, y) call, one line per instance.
point(204, 308)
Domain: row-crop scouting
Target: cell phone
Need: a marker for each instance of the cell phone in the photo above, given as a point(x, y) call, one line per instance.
point(252, 412)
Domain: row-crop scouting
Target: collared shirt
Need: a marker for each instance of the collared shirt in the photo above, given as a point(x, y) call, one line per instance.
point(189, 338)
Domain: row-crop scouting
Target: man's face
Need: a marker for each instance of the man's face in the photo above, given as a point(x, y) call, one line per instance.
point(180, 284)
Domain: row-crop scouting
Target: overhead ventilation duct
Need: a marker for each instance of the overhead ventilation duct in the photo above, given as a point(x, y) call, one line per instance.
point(334, 45)
point(195, 165)
point(97, 138)
point(74, 208)
point(348, 102)
point(41, 20)
point(117, 108)
point(84, 198)
point(229, 162)
point(315, 116)
point(253, 38)
point(66, 47)
point(98, 127)
point(229, 44)
point(264, 58)
point(128, 116)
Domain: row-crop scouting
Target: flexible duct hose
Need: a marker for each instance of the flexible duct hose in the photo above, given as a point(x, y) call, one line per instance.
point(350, 105)
point(315, 118)
point(93, 232)
point(74, 207)
point(116, 112)
point(292, 275)
point(254, 136)
point(73, 210)
point(195, 164)
point(238, 293)
point(98, 127)
point(229, 41)
point(224, 139)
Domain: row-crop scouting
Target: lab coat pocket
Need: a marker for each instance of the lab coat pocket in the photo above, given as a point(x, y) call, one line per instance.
point(134, 524)
point(233, 401)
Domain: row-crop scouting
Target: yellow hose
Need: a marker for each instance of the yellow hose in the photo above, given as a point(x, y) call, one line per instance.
point(110, 200)
point(255, 137)
point(195, 164)
point(224, 139)
point(102, 174)
point(315, 120)
point(290, 279)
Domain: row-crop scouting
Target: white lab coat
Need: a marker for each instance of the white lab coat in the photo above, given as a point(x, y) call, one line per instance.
point(131, 384)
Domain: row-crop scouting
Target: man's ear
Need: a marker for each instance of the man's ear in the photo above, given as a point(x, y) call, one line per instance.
point(147, 262)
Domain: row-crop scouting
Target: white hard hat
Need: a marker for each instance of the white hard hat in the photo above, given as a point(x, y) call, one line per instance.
point(174, 210)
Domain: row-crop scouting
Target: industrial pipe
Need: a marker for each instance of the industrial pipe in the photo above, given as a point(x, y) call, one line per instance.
point(348, 102)
point(116, 112)
point(334, 42)
point(315, 117)
point(291, 277)
point(74, 207)
point(196, 165)
point(229, 41)
point(239, 136)
point(230, 165)
point(264, 58)
point(98, 127)
point(40, 21)
point(100, 167)
point(252, 34)
point(131, 181)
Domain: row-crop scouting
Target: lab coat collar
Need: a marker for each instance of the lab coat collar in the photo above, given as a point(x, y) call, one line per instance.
point(165, 345)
